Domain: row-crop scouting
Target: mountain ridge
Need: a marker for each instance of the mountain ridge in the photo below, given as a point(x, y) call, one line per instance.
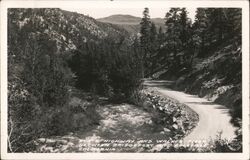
point(129, 22)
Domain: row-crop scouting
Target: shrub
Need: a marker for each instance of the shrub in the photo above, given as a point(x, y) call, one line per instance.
point(37, 92)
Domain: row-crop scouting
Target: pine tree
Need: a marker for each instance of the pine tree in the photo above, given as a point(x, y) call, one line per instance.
point(200, 28)
point(145, 39)
point(185, 24)
point(173, 32)
point(217, 24)
point(153, 47)
point(145, 28)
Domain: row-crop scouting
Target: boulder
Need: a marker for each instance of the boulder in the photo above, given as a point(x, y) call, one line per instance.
point(175, 126)
point(174, 119)
point(166, 130)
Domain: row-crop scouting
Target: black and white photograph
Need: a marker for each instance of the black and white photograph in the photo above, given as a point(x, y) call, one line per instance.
point(125, 79)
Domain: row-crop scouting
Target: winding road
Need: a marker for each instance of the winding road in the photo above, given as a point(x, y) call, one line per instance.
point(213, 118)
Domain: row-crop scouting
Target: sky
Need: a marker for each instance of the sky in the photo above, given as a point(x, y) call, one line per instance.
point(105, 12)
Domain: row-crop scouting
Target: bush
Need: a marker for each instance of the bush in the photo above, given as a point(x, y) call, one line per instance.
point(37, 92)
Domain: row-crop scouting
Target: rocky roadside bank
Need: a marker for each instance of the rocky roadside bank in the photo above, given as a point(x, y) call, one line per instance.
point(176, 119)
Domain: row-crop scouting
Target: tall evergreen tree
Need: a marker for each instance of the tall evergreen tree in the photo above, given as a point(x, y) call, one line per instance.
point(178, 41)
point(218, 24)
point(200, 27)
point(185, 24)
point(173, 41)
point(153, 48)
point(145, 38)
point(145, 28)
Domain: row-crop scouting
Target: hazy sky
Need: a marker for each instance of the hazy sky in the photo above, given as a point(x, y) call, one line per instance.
point(104, 12)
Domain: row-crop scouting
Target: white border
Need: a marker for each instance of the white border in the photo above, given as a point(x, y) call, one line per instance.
point(125, 4)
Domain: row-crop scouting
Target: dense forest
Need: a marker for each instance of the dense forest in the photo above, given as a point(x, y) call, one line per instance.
point(54, 55)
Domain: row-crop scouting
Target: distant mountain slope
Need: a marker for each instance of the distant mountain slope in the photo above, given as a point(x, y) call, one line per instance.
point(130, 23)
point(121, 19)
point(68, 29)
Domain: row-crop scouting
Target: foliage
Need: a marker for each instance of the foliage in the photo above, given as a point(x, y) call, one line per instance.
point(178, 42)
point(184, 42)
point(214, 25)
point(198, 54)
point(148, 43)
point(38, 92)
point(107, 69)
point(44, 45)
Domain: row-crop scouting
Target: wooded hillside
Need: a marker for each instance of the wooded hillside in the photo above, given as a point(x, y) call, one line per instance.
point(49, 52)
point(60, 64)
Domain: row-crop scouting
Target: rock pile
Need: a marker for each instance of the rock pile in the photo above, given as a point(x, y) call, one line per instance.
point(177, 119)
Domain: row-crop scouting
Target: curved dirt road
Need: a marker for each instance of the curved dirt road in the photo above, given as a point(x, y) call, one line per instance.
point(213, 118)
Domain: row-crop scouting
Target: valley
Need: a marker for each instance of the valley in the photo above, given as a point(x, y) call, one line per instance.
point(130, 23)
point(73, 78)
